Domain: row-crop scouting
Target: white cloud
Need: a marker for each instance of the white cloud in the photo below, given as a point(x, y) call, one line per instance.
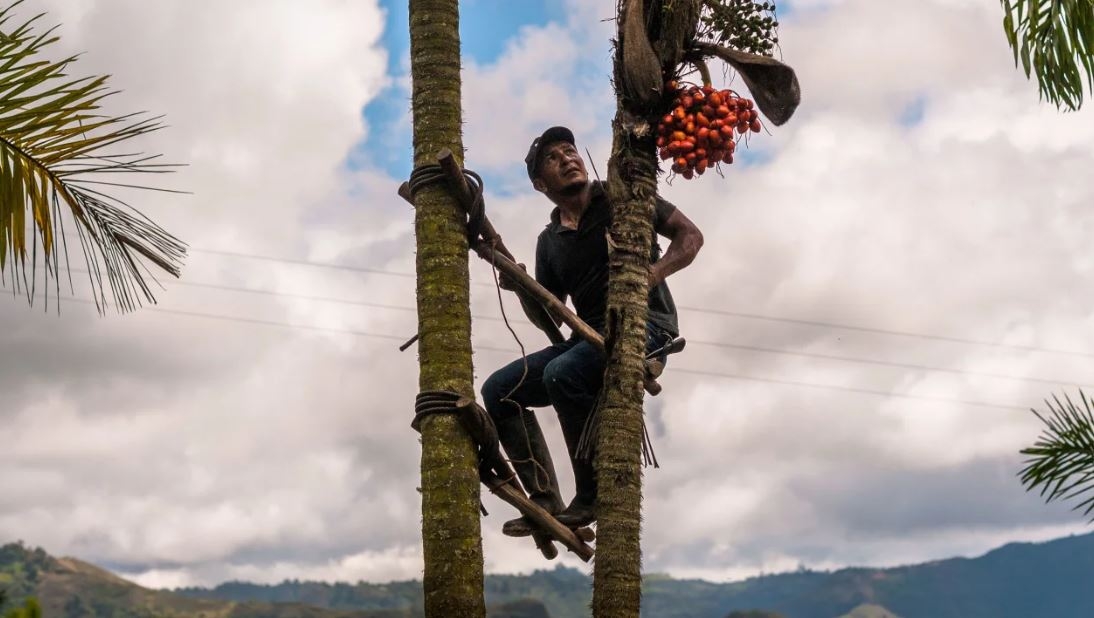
point(187, 450)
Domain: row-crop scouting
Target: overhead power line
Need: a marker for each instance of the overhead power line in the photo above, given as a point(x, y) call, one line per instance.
point(880, 363)
point(721, 312)
point(672, 369)
point(268, 258)
point(884, 331)
point(849, 389)
point(717, 344)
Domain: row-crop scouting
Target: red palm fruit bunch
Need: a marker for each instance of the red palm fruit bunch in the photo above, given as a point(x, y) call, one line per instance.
point(703, 127)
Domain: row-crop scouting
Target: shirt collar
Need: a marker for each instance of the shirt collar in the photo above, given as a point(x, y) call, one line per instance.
point(597, 198)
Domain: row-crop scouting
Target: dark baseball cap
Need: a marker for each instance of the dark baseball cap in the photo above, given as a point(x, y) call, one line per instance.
point(550, 136)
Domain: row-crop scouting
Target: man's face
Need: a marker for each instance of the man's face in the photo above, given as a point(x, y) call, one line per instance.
point(561, 170)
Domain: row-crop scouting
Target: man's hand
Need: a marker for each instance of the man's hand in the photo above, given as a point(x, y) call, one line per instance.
point(685, 242)
point(506, 283)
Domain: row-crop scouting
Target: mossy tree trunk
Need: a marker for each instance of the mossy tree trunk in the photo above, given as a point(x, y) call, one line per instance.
point(632, 187)
point(451, 537)
point(632, 184)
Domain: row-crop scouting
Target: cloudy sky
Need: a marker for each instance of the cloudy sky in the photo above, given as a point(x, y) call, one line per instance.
point(889, 283)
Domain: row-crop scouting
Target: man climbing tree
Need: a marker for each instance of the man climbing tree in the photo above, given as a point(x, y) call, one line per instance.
point(572, 261)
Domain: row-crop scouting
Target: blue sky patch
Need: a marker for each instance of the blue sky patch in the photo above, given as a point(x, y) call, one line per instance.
point(486, 27)
point(912, 113)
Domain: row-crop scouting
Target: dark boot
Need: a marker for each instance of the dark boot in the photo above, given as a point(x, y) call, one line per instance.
point(527, 450)
point(582, 509)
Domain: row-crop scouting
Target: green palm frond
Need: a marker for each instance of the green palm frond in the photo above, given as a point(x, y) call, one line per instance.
point(1061, 462)
point(57, 154)
point(1053, 40)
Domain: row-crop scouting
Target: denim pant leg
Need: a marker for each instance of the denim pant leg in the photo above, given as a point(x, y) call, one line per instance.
point(573, 380)
point(507, 395)
point(510, 390)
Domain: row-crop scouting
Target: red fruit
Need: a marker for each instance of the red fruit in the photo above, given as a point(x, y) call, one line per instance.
point(710, 111)
point(688, 174)
point(685, 102)
point(701, 166)
point(755, 125)
point(727, 131)
point(716, 99)
point(679, 136)
point(731, 146)
point(699, 97)
point(702, 134)
point(708, 89)
point(722, 111)
point(666, 120)
point(679, 113)
point(681, 162)
point(732, 119)
point(748, 103)
point(664, 154)
point(689, 128)
point(700, 153)
point(670, 85)
point(702, 120)
point(714, 138)
point(690, 158)
point(660, 141)
point(728, 158)
point(742, 127)
point(685, 146)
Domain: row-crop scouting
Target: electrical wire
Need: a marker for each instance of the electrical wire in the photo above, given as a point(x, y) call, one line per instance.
point(707, 310)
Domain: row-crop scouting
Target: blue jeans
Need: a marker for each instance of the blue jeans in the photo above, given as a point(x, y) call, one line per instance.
point(566, 375)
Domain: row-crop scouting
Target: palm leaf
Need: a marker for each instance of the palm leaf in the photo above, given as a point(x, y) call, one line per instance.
point(1053, 40)
point(55, 149)
point(1061, 462)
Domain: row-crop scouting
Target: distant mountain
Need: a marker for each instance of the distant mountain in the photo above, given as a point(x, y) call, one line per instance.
point(1020, 580)
point(69, 588)
point(869, 610)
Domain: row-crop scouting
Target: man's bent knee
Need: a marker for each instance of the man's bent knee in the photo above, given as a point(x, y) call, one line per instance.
point(493, 391)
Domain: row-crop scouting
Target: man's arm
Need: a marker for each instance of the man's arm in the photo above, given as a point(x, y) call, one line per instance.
point(685, 240)
point(531, 307)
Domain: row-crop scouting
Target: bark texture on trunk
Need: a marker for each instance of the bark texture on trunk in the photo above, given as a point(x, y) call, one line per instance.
point(632, 185)
point(451, 536)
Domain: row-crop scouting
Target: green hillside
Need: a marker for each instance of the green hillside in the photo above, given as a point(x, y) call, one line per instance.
point(69, 588)
point(868, 610)
point(1020, 580)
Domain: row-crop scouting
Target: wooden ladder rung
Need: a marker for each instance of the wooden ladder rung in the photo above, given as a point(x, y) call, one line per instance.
point(550, 529)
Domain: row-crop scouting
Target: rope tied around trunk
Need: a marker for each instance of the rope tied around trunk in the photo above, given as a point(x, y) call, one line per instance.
point(425, 175)
point(428, 403)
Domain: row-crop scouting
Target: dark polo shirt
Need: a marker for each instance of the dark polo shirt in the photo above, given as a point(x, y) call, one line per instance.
point(574, 263)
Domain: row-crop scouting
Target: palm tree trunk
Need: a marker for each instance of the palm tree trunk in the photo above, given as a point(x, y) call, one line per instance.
point(451, 537)
point(632, 185)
